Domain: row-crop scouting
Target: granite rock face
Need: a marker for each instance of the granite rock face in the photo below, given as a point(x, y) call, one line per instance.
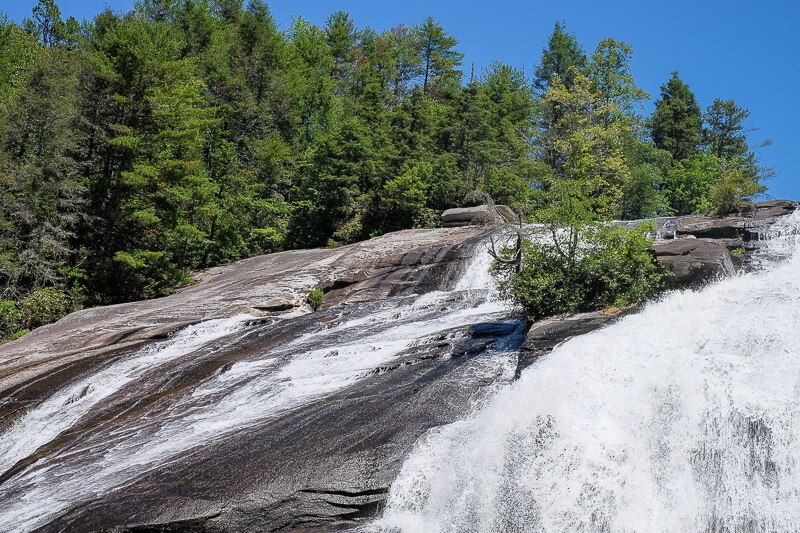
point(178, 415)
point(695, 261)
point(395, 264)
point(748, 225)
point(230, 406)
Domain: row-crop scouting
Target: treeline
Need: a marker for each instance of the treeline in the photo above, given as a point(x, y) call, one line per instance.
point(137, 147)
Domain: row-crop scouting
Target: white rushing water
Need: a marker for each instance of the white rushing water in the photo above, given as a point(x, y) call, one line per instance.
point(67, 406)
point(683, 417)
point(319, 363)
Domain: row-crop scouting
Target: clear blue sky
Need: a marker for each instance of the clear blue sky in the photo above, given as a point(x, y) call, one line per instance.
point(729, 49)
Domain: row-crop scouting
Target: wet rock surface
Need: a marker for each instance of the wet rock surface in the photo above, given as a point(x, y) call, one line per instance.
point(176, 415)
point(402, 262)
point(167, 416)
point(326, 465)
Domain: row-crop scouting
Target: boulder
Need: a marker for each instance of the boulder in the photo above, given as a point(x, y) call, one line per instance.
point(507, 213)
point(479, 215)
point(771, 209)
point(711, 228)
point(694, 261)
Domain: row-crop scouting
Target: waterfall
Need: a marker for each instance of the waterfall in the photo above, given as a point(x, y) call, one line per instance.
point(57, 455)
point(682, 417)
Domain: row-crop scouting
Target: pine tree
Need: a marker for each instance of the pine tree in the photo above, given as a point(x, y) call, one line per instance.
point(586, 149)
point(725, 135)
point(610, 71)
point(42, 195)
point(677, 122)
point(440, 59)
point(562, 57)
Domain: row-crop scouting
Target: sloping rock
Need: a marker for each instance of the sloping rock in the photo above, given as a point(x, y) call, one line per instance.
point(479, 215)
point(770, 209)
point(694, 261)
point(323, 463)
point(748, 225)
point(275, 305)
point(402, 262)
point(324, 466)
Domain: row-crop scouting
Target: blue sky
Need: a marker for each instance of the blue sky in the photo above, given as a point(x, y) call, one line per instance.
point(728, 49)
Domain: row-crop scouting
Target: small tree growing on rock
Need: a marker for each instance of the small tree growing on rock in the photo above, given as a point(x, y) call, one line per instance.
point(315, 298)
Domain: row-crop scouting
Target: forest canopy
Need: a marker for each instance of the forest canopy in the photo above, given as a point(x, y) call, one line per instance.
point(138, 147)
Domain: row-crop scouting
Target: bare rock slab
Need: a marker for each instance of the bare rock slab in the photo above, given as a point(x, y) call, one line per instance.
point(694, 261)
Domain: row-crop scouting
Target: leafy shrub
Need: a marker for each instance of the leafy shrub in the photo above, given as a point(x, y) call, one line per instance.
point(584, 270)
point(44, 306)
point(315, 298)
point(17, 334)
point(10, 318)
point(733, 190)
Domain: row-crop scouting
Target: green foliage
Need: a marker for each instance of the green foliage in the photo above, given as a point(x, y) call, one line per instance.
point(732, 190)
point(642, 197)
point(10, 319)
point(677, 122)
point(595, 267)
point(562, 58)
point(583, 146)
point(610, 72)
point(315, 298)
point(439, 58)
point(725, 134)
point(143, 274)
point(138, 147)
point(689, 182)
point(44, 306)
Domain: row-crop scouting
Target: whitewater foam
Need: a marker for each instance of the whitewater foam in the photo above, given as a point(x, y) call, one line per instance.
point(249, 391)
point(683, 417)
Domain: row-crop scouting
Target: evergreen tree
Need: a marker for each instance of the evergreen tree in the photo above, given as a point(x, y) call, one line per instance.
point(342, 38)
point(725, 135)
point(563, 57)
point(677, 122)
point(42, 195)
point(440, 59)
point(610, 72)
point(46, 24)
point(403, 63)
point(586, 149)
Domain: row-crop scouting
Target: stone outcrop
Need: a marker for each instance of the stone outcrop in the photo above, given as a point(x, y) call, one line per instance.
point(479, 215)
point(694, 261)
point(748, 225)
point(399, 263)
point(322, 465)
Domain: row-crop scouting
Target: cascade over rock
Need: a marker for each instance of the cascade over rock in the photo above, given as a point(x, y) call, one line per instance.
point(231, 406)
